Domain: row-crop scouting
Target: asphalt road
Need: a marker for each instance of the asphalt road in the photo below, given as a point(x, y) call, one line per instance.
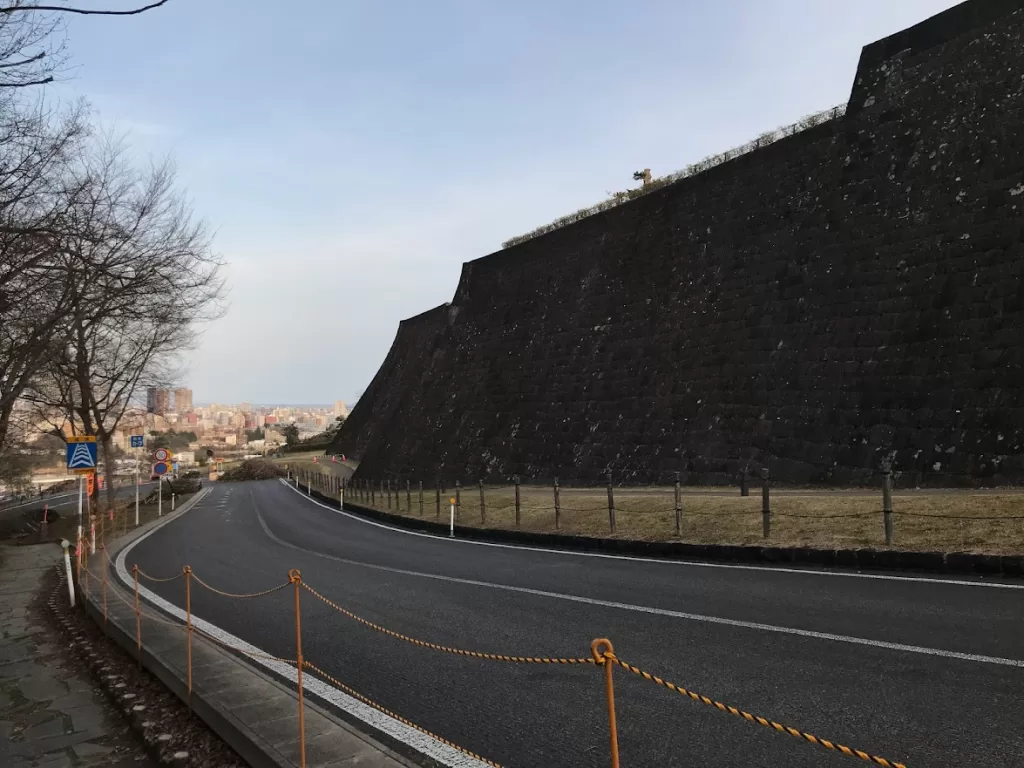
point(65, 503)
point(929, 672)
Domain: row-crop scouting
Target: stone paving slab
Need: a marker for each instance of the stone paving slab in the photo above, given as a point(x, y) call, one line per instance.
point(50, 713)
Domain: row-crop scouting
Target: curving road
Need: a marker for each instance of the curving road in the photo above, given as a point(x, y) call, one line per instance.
point(927, 671)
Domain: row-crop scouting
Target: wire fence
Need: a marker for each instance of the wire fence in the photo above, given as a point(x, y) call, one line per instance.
point(754, 511)
point(601, 654)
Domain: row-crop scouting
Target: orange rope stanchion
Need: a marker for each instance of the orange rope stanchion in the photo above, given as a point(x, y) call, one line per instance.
point(295, 577)
point(138, 619)
point(187, 571)
point(603, 652)
point(103, 550)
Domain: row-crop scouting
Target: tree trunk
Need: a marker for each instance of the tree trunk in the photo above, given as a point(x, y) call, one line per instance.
point(108, 465)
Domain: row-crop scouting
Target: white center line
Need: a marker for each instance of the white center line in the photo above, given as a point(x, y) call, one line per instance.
point(664, 611)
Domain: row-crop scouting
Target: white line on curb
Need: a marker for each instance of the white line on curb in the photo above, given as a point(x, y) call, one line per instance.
point(394, 728)
point(664, 561)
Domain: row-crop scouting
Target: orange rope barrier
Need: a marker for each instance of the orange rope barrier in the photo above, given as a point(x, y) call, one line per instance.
point(442, 648)
point(610, 656)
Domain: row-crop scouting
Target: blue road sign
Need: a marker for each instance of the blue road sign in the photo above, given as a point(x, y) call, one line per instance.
point(174, 466)
point(138, 441)
point(161, 468)
point(81, 453)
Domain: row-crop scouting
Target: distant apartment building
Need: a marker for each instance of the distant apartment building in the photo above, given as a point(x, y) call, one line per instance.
point(183, 400)
point(158, 400)
point(270, 420)
point(340, 409)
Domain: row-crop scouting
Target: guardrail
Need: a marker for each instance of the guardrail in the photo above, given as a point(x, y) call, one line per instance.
point(601, 655)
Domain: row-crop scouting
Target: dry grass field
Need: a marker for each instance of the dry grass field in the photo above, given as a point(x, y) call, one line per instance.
point(969, 521)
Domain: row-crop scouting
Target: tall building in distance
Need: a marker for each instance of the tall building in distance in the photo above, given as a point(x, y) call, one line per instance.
point(340, 409)
point(158, 400)
point(183, 400)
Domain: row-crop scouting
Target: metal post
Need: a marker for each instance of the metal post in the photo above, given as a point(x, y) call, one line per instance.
point(766, 507)
point(81, 486)
point(421, 498)
point(611, 505)
point(603, 654)
point(679, 508)
point(138, 619)
point(187, 570)
point(483, 505)
point(174, 497)
point(887, 504)
point(451, 523)
point(558, 507)
point(137, 462)
point(66, 545)
point(295, 576)
point(160, 496)
point(103, 568)
point(517, 500)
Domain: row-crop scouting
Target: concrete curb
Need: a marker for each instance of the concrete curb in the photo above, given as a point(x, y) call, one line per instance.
point(1008, 566)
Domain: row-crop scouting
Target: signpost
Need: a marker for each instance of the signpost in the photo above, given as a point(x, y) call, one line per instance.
point(161, 466)
point(81, 459)
point(138, 441)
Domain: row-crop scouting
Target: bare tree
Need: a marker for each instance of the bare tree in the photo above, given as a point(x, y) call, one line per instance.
point(144, 277)
point(33, 44)
point(39, 189)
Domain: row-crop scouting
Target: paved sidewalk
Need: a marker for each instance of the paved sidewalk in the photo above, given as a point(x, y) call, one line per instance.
point(51, 714)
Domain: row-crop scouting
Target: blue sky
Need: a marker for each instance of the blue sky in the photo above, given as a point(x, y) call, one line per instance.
point(351, 155)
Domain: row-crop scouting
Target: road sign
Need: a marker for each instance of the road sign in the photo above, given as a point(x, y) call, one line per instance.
point(90, 484)
point(161, 454)
point(174, 466)
point(81, 453)
point(138, 441)
point(161, 468)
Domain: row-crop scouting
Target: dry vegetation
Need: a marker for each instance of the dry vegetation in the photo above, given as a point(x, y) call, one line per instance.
point(972, 521)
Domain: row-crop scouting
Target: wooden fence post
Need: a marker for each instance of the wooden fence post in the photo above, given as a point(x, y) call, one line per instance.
point(558, 507)
point(679, 508)
point(611, 505)
point(517, 500)
point(483, 505)
point(766, 507)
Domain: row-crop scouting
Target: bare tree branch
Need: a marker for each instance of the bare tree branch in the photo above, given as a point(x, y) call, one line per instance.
point(81, 11)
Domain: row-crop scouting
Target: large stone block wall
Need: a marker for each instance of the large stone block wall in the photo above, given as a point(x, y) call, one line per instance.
point(850, 294)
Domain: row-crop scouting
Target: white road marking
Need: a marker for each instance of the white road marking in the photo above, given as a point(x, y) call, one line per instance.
point(396, 729)
point(664, 611)
point(664, 561)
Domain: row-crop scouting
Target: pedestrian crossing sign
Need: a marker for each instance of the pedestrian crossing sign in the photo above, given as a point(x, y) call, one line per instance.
point(81, 454)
